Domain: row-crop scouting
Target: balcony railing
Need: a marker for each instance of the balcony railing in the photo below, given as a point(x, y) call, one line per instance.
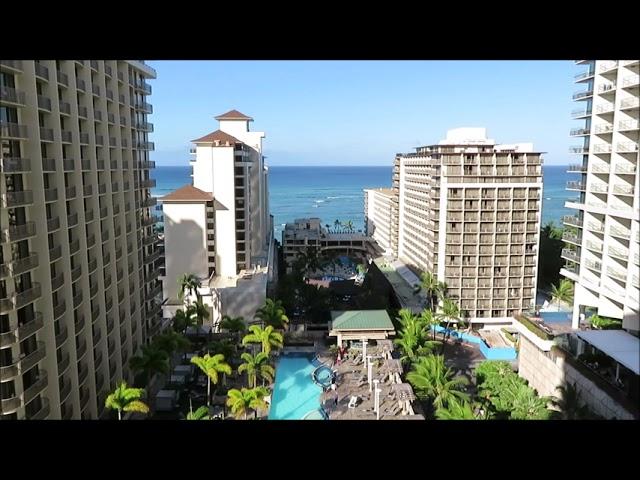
point(17, 198)
point(581, 95)
point(630, 81)
point(617, 274)
point(573, 185)
point(619, 232)
point(570, 255)
point(623, 189)
point(603, 128)
point(12, 96)
point(602, 148)
point(627, 147)
point(14, 65)
point(13, 131)
point(19, 266)
point(625, 125)
point(579, 113)
point(629, 103)
point(41, 71)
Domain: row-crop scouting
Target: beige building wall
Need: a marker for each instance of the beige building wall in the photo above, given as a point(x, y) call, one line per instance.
point(78, 259)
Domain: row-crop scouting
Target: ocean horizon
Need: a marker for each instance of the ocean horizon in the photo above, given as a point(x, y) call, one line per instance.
point(337, 192)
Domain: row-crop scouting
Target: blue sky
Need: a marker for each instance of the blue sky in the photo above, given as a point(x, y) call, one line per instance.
point(363, 112)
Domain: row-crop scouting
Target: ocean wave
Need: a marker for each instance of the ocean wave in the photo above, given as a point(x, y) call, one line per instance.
point(319, 201)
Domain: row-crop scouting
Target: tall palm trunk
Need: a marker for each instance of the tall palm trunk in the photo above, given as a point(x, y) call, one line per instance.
point(119, 414)
point(208, 391)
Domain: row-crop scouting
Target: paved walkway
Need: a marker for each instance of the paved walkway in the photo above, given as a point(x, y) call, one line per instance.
point(402, 280)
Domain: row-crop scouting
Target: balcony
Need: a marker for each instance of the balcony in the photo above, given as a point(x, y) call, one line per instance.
point(622, 254)
point(583, 95)
point(74, 246)
point(59, 309)
point(617, 274)
point(598, 187)
point(584, 75)
point(15, 165)
point(18, 300)
point(13, 66)
point(143, 107)
point(628, 125)
point(580, 150)
point(76, 272)
point(11, 96)
point(627, 147)
point(595, 247)
point(95, 89)
point(573, 185)
point(628, 103)
point(66, 388)
point(623, 190)
point(631, 81)
point(581, 113)
point(51, 194)
point(84, 399)
point(19, 266)
point(570, 255)
point(44, 103)
point(41, 71)
point(36, 388)
point(13, 131)
point(572, 220)
point(62, 336)
point(593, 265)
point(17, 199)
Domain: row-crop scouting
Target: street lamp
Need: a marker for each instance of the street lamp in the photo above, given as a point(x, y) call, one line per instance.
point(369, 371)
point(376, 401)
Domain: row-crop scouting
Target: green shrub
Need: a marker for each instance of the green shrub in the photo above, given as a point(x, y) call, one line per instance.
point(509, 336)
point(538, 332)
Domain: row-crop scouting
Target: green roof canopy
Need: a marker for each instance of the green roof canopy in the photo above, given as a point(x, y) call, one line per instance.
point(361, 320)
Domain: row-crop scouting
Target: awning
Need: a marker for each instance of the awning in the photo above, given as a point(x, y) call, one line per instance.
point(618, 344)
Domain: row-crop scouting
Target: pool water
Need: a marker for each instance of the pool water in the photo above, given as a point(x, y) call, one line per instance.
point(295, 394)
point(556, 317)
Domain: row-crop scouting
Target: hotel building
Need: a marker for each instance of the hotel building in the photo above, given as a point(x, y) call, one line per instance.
point(78, 284)
point(378, 212)
point(468, 210)
point(602, 251)
point(219, 228)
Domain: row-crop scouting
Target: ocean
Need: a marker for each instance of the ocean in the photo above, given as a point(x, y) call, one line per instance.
point(337, 192)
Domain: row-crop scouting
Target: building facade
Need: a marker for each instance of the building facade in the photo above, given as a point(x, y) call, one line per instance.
point(298, 236)
point(468, 210)
point(602, 244)
point(219, 228)
point(378, 212)
point(78, 282)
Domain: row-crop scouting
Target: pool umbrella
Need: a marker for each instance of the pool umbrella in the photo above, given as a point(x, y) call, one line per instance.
point(391, 367)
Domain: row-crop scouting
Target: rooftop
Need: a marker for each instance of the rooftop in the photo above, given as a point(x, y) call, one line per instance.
point(618, 344)
point(384, 191)
point(219, 139)
point(361, 320)
point(188, 193)
point(233, 115)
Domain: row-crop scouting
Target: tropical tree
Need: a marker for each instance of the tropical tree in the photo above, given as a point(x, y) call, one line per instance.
point(570, 404)
point(604, 323)
point(429, 320)
point(337, 224)
point(212, 366)
point(272, 313)
point(183, 320)
point(151, 361)
point(432, 380)
point(551, 246)
point(428, 284)
point(126, 399)
point(442, 289)
point(456, 410)
point(267, 337)
point(188, 282)
point(201, 413)
point(526, 405)
point(224, 347)
point(563, 292)
point(449, 313)
point(349, 226)
point(200, 311)
point(244, 400)
point(171, 342)
point(256, 366)
point(233, 324)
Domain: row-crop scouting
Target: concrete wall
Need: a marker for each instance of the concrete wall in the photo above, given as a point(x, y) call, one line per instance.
point(185, 231)
point(545, 371)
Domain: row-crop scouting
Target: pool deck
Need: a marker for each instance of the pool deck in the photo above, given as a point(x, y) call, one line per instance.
point(348, 384)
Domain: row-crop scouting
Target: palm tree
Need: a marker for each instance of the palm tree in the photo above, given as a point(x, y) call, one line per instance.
point(188, 282)
point(240, 401)
point(171, 342)
point(259, 403)
point(200, 311)
point(337, 224)
point(151, 361)
point(428, 283)
point(349, 226)
point(126, 399)
point(563, 292)
point(430, 321)
point(272, 313)
point(570, 404)
point(201, 413)
point(526, 405)
point(449, 313)
point(267, 337)
point(212, 366)
point(456, 410)
point(233, 324)
point(405, 317)
point(442, 289)
point(183, 320)
point(432, 379)
point(256, 366)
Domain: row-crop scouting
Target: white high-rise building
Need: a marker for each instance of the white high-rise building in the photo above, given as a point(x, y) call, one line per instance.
point(219, 228)
point(79, 293)
point(603, 257)
point(468, 210)
point(378, 212)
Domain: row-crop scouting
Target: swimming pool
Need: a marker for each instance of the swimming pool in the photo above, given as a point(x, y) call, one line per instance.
point(556, 317)
point(295, 394)
point(490, 353)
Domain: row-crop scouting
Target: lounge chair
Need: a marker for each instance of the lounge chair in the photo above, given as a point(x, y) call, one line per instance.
point(353, 402)
point(394, 409)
